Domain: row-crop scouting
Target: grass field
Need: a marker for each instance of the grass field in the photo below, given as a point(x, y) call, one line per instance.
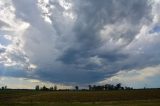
point(80, 98)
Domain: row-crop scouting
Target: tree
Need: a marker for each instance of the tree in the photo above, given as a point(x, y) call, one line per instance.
point(90, 87)
point(37, 88)
point(55, 88)
point(77, 88)
point(118, 86)
point(107, 87)
point(51, 89)
point(3, 88)
point(44, 88)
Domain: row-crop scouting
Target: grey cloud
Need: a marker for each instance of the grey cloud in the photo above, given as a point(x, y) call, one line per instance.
point(76, 51)
point(93, 16)
point(2, 49)
point(3, 24)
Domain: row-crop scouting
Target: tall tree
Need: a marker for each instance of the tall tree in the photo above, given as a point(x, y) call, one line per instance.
point(90, 87)
point(55, 88)
point(77, 88)
point(118, 86)
point(37, 88)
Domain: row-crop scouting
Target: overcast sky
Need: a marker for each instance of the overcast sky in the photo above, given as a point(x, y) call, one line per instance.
point(79, 42)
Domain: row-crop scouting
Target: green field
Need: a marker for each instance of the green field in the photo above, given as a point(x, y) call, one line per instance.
point(80, 98)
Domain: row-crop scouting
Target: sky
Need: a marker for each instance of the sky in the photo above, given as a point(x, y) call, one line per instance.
point(79, 42)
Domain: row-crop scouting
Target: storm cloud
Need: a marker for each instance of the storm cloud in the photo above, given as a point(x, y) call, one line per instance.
point(78, 41)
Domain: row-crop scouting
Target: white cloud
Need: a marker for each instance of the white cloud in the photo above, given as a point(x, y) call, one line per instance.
point(14, 55)
point(65, 4)
point(134, 77)
point(24, 83)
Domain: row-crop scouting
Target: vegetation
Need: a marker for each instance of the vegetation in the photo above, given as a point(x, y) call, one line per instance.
point(80, 98)
point(4, 88)
point(44, 88)
point(108, 87)
point(95, 95)
point(90, 88)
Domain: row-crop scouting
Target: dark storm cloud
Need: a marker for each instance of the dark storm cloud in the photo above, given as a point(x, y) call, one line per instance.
point(92, 17)
point(98, 42)
point(70, 76)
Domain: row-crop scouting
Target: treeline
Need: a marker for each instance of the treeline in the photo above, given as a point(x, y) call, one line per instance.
point(44, 88)
point(108, 87)
point(90, 88)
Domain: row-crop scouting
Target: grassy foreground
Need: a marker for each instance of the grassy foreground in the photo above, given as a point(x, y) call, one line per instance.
point(80, 98)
